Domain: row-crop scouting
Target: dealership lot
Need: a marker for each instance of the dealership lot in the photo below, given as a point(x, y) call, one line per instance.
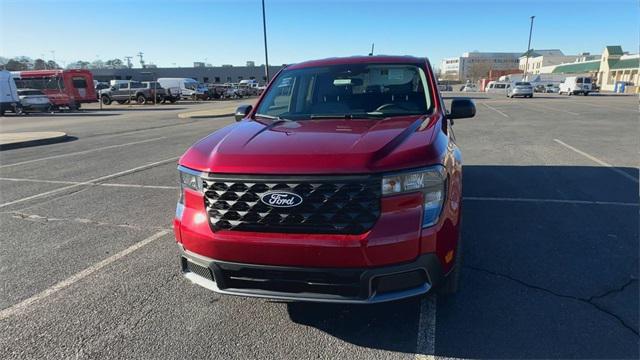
point(89, 267)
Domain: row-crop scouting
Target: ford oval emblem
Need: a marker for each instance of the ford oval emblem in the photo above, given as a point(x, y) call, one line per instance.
point(281, 199)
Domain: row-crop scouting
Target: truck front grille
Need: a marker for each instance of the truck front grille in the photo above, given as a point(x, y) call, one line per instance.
point(330, 205)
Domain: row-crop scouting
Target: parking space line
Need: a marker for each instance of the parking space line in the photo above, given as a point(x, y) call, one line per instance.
point(496, 110)
point(82, 152)
point(96, 180)
point(557, 201)
point(24, 304)
point(426, 341)
point(92, 184)
point(596, 160)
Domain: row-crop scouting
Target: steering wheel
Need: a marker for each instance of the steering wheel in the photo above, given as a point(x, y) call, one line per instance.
point(391, 106)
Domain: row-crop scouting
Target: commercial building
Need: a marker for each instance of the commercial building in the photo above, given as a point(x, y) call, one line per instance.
point(613, 68)
point(204, 74)
point(535, 60)
point(475, 65)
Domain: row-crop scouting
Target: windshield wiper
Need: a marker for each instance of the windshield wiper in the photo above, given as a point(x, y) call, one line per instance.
point(271, 117)
point(373, 115)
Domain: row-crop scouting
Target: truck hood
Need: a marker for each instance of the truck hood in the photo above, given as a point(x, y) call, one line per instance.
point(326, 146)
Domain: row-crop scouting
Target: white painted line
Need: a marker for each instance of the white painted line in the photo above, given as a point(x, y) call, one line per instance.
point(557, 201)
point(24, 304)
point(136, 186)
point(93, 181)
point(496, 110)
point(82, 152)
point(596, 160)
point(426, 342)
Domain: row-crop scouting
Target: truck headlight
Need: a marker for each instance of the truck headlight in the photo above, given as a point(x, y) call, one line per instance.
point(190, 179)
point(430, 181)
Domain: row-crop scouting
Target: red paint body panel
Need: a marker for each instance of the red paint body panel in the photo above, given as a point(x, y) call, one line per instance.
point(332, 147)
point(67, 93)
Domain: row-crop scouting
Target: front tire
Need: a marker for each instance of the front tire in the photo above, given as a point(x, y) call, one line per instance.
point(106, 100)
point(585, 93)
point(141, 99)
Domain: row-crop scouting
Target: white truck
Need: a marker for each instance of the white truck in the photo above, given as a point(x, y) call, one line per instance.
point(9, 100)
point(575, 85)
point(187, 87)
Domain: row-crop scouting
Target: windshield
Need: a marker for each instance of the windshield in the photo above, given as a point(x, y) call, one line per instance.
point(523, 84)
point(352, 90)
point(30, 92)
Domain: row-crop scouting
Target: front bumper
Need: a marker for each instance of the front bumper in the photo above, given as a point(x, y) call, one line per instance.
point(333, 285)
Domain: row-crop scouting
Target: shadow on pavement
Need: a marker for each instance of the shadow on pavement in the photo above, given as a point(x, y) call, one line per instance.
point(540, 279)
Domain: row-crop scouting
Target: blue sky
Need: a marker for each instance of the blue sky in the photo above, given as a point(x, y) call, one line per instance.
point(230, 32)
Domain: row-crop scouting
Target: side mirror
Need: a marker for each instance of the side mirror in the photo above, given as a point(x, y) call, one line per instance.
point(462, 108)
point(242, 111)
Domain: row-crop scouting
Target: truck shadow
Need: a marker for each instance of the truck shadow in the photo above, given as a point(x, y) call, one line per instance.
point(542, 247)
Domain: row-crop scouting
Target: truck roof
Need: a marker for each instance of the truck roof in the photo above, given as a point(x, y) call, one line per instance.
point(377, 59)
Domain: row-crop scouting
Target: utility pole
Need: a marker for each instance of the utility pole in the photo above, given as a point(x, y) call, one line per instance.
point(266, 54)
point(129, 64)
point(372, 45)
point(526, 61)
point(140, 54)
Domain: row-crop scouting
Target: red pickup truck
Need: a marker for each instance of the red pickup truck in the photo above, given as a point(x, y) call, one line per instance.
point(342, 184)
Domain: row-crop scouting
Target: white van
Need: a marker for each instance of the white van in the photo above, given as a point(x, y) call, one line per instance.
point(496, 87)
point(574, 85)
point(9, 100)
point(189, 88)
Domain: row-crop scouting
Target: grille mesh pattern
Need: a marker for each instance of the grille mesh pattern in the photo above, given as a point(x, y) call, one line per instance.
point(199, 270)
point(329, 205)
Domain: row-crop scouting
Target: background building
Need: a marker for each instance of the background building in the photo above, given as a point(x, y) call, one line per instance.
point(204, 74)
point(475, 65)
point(537, 59)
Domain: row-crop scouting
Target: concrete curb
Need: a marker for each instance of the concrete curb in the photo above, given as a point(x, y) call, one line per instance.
point(25, 139)
point(196, 116)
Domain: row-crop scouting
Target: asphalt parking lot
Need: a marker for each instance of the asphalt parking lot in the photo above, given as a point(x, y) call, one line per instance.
point(89, 266)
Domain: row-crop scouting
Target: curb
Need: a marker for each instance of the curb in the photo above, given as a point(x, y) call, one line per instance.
point(187, 116)
point(58, 137)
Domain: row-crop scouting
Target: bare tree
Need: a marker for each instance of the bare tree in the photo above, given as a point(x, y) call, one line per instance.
point(479, 70)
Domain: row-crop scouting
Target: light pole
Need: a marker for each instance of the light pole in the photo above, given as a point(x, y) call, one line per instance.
point(266, 55)
point(526, 61)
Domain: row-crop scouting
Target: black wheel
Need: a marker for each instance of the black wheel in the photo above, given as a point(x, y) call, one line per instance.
point(106, 100)
point(585, 93)
point(172, 100)
point(140, 99)
point(160, 99)
point(1, 112)
point(451, 283)
point(194, 97)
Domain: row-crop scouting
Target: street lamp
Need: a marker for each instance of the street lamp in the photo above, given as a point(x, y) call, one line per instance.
point(526, 61)
point(266, 55)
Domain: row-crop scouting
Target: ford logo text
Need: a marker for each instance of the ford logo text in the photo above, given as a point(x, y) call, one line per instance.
point(281, 199)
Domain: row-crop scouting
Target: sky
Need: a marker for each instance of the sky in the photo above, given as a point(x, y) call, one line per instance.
point(177, 33)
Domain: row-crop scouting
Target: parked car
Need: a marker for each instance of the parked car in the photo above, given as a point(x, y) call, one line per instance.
point(326, 192)
point(155, 88)
point(34, 100)
point(9, 100)
point(575, 85)
point(445, 87)
point(126, 91)
point(496, 87)
point(469, 88)
point(188, 88)
point(551, 88)
point(520, 88)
